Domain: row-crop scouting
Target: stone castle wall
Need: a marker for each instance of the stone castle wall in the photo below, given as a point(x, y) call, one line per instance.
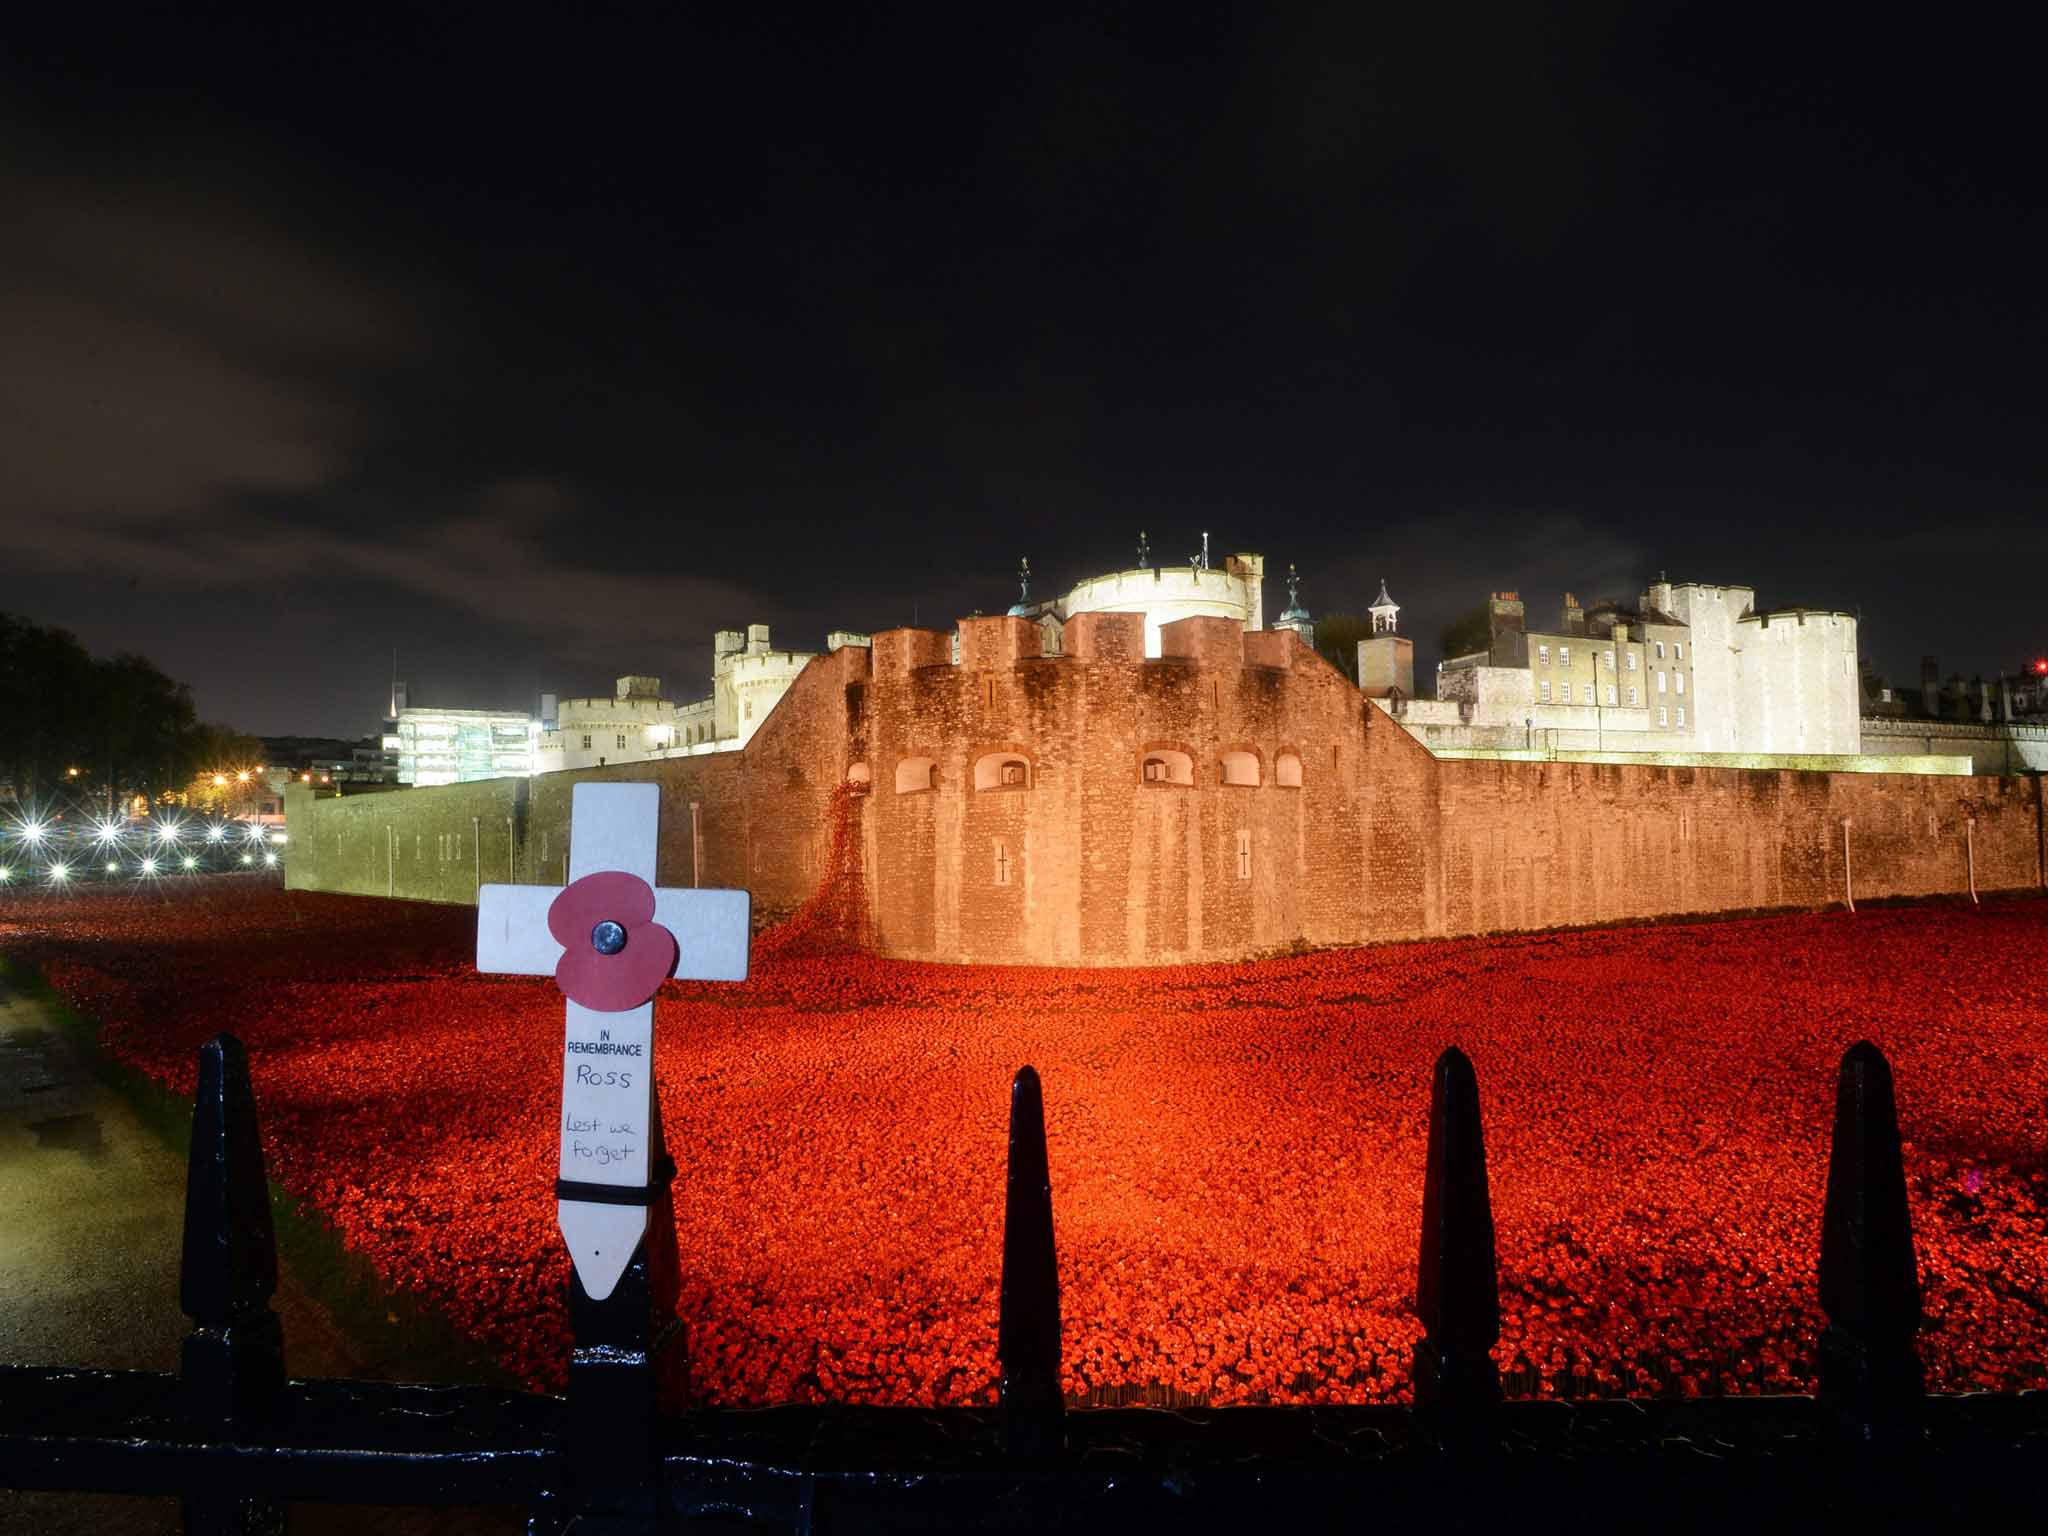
point(1082, 861)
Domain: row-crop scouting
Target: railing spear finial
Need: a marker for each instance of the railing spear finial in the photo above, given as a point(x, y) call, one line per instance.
point(231, 1368)
point(1457, 1289)
point(233, 1359)
point(1028, 1328)
point(1870, 1376)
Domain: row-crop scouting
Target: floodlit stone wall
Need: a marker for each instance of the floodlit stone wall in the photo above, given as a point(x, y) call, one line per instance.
point(1009, 815)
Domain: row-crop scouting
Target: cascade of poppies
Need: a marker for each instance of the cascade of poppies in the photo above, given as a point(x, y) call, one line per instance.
point(835, 918)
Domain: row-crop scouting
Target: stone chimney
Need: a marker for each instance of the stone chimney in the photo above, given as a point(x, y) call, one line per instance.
point(1574, 620)
point(1930, 686)
point(1504, 613)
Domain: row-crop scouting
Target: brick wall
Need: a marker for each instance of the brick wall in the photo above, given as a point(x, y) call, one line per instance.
point(1084, 862)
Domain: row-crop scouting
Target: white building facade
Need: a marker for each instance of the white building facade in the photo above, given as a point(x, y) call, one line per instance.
point(1694, 669)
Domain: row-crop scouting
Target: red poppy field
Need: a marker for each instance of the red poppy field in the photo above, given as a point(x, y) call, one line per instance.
point(1236, 1150)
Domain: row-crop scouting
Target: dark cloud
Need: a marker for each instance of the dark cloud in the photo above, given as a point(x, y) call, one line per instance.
point(540, 353)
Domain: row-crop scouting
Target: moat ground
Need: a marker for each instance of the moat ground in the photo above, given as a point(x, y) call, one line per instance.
point(94, 1203)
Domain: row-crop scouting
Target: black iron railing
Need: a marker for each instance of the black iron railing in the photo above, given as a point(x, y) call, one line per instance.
point(239, 1442)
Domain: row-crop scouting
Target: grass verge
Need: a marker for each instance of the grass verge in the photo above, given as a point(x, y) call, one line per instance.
point(409, 1339)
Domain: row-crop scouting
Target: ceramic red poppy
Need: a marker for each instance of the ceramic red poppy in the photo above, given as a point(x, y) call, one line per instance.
point(615, 956)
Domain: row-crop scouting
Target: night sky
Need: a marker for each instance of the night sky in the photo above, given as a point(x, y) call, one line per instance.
point(540, 350)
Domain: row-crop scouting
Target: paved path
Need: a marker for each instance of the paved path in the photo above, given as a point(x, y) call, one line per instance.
point(91, 1220)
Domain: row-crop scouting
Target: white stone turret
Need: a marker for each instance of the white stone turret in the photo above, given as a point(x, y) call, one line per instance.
point(1385, 612)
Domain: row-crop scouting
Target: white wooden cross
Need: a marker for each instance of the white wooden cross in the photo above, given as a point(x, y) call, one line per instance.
point(608, 1056)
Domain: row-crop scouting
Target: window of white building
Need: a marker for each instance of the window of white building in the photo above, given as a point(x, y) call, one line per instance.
point(586, 743)
point(1631, 695)
point(1681, 682)
point(1631, 661)
point(622, 743)
point(1678, 650)
point(1660, 682)
point(1610, 695)
point(1543, 692)
point(1663, 715)
point(1564, 655)
point(1610, 661)
point(1660, 650)
point(1543, 654)
point(1681, 717)
point(1589, 693)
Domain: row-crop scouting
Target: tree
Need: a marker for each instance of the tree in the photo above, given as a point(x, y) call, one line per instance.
point(45, 702)
point(222, 763)
point(1470, 631)
point(145, 729)
point(125, 727)
point(1337, 637)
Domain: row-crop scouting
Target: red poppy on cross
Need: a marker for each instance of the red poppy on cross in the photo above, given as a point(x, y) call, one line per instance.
point(610, 938)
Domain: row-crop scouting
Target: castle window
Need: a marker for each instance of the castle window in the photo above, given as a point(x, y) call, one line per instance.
point(916, 773)
point(1681, 717)
point(1660, 650)
point(1681, 682)
point(1002, 770)
point(1287, 771)
point(586, 743)
point(1631, 695)
point(1244, 855)
point(1163, 765)
point(1678, 650)
point(1564, 655)
point(1240, 768)
point(622, 743)
point(1589, 693)
point(750, 709)
point(1543, 691)
point(1543, 654)
point(1610, 695)
point(1002, 869)
point(1663, 715)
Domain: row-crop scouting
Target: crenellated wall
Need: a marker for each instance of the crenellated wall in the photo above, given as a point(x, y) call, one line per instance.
point(1009, 816)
